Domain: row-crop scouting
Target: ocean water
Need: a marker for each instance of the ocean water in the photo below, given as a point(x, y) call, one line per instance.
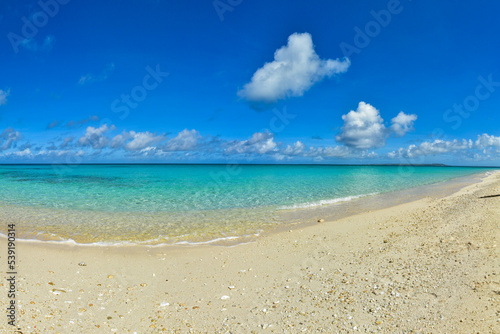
point(172, 204)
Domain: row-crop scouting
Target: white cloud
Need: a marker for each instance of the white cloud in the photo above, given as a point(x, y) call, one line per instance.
point(142, 140)
point(43, 154)
point(3, 96)
point(369, 154)
point(95, 137)
point(484, 141)
point(403, 123)
point(261, 145)
point(328, 152)
point(120, 139)
point(260, 142)
point(296, 149)
point(24, 153)
point(435, 147)
point(299, 149)
point(151, 151)
point(186, 140)
point(363, 128)
point(296, 67)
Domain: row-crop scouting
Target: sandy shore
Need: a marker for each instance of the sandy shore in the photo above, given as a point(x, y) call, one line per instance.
point(429, 266)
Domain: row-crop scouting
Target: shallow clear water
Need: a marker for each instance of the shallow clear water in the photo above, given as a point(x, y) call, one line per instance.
point(176, 203)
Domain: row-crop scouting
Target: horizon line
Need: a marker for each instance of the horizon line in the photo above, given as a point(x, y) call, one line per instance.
point(235, 163)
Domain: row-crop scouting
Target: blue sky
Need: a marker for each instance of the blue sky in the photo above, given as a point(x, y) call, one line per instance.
point(249, 81)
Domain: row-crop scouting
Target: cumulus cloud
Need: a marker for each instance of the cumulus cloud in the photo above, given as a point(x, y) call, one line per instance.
point(119, 140)
point(296, 67)
point(260, 142)
point(28, 154)
point(435, 147)
point(328, 152)
point(260, 145)
point(24, 153)
point(142, 140)
point(186, 140)
point(143, 143)
point(403, 123)
point(484, 141)
point(95, 137)
point(151, 151)
point(363, 128)
point(296, 149)
point(3, 96)
point(479, 149)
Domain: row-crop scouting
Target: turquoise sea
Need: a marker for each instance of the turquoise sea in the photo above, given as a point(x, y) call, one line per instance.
point(172, 204)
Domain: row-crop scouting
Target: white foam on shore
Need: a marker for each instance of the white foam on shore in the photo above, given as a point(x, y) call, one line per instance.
point(193, 243)
point(323, 202)
point(146, 243)
point(71, 242)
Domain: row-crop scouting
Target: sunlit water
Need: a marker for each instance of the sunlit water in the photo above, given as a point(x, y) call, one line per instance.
point(157, 204)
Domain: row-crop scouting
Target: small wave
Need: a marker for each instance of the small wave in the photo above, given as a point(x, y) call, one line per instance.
point(71, 242)
point(217, 240)
point(324, 202)
point(146, 243)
